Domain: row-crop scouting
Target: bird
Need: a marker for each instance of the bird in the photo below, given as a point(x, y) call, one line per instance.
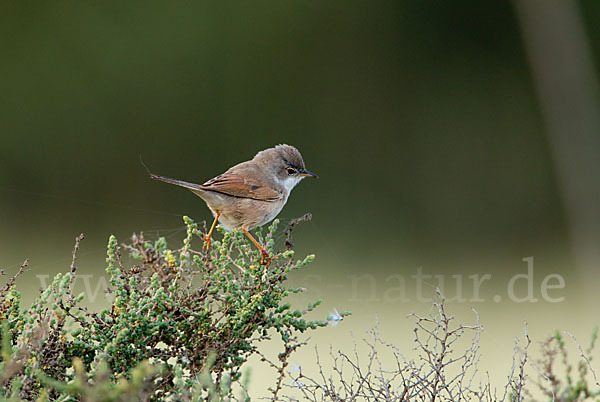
point(251, 193)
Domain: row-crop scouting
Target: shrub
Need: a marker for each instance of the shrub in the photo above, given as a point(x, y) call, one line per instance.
point(446, 369)
point(181, 325)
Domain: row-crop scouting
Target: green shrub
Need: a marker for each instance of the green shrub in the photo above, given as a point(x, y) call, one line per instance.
point(181, 326)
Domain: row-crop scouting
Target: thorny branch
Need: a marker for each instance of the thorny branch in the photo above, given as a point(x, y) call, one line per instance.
point(289, 244)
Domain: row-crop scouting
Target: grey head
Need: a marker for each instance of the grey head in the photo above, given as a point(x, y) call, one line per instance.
point(285, 164)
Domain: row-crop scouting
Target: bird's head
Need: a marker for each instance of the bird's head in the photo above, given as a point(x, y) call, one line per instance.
point(285, 164)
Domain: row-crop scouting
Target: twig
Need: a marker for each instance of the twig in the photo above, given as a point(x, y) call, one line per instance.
point(78, 240)
point(11, 281)
point(289, 244)
point(589, 364)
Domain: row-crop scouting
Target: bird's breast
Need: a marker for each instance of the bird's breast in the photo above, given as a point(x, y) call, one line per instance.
point(237, 212)
point(250, 214)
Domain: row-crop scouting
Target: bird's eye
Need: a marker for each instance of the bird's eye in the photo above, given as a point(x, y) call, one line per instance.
point(291, 171)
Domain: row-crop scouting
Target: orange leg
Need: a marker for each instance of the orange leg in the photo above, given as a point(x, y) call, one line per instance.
point(207, 237)
point(263, 252)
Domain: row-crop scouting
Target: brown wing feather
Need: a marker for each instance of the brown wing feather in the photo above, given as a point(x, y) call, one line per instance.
point(244, 187)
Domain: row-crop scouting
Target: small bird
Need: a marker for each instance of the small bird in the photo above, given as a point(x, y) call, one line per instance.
point(251, 193)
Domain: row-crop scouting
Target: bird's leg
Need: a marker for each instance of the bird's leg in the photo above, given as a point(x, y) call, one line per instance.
point(263, 252)
point(207, 237)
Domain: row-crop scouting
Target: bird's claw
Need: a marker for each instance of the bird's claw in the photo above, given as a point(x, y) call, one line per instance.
point(207, 241)
point(265, 259)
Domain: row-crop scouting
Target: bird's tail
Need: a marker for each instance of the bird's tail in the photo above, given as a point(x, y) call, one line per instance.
point(181, 183)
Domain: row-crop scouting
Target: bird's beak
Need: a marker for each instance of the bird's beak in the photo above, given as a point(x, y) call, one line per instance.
point(306, 173)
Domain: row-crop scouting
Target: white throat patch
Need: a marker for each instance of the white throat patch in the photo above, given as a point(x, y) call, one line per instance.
point(290, 182)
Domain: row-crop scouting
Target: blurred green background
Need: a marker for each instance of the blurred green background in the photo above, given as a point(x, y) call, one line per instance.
point(422, 120)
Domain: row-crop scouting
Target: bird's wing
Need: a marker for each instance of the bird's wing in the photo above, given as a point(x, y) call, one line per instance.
point(235, 185)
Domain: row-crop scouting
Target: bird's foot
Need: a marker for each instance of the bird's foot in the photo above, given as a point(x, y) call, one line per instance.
point(207, 241)
point(264, 257)
point(208, 236)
